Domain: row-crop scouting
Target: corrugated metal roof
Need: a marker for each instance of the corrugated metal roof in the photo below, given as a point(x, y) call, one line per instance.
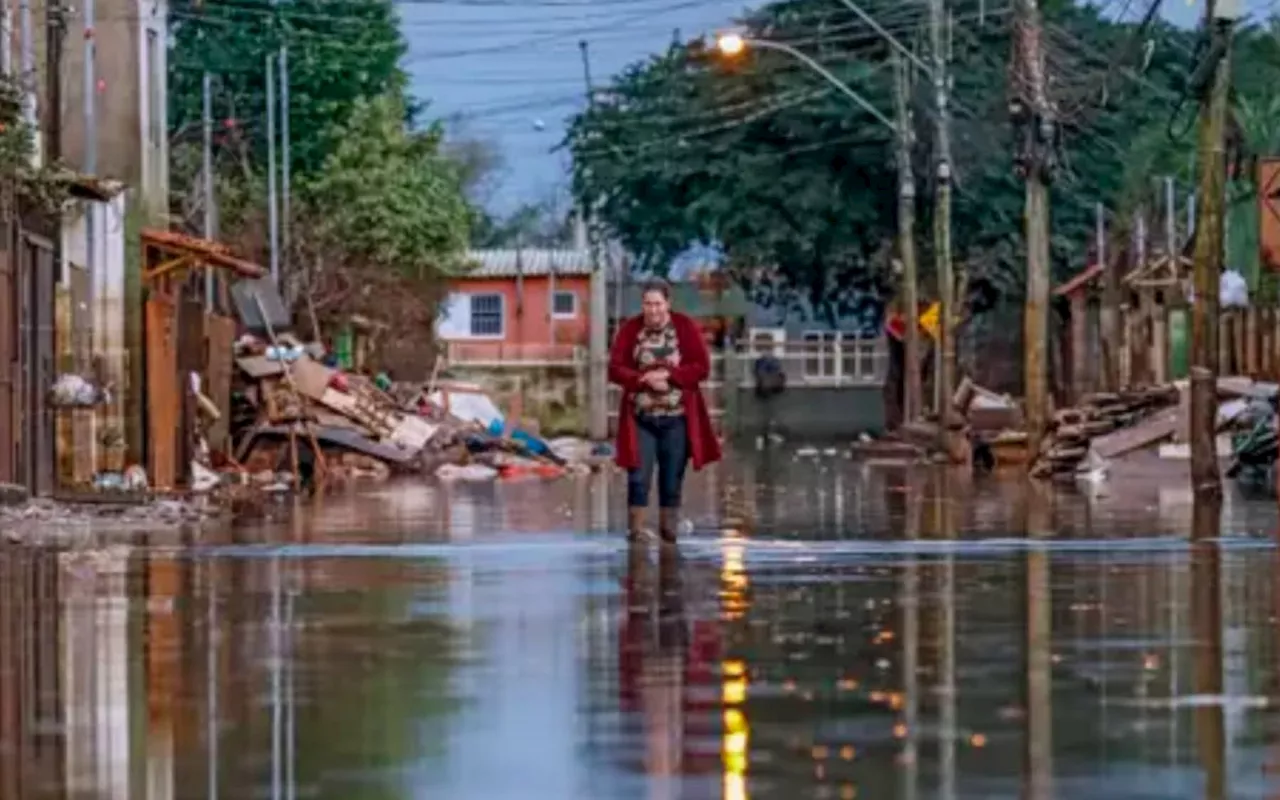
point(530, 262)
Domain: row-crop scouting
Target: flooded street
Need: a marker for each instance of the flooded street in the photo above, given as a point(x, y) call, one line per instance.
point(832, 629)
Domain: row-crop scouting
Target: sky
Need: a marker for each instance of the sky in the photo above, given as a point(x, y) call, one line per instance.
point(511, 70)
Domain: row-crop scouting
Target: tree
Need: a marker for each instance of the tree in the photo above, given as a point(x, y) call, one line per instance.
point(386, 196)
point(530, 225)
point(340, 52)
point(761, 157)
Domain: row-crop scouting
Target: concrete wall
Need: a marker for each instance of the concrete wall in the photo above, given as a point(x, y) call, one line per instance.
point(819, 413)
point(555, 397)
point(131, 78)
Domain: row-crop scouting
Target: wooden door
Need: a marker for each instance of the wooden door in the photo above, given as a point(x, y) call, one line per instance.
point(163, 407)
point(9, 364)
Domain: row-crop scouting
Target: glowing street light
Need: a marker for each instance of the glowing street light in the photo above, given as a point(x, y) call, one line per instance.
point(731, 44)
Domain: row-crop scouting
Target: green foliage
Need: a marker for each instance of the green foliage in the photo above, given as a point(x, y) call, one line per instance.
point(340, 52)
point(41, 188)
point(368, 191)
point(762, 157)
point(386, 195)
point(530, 225)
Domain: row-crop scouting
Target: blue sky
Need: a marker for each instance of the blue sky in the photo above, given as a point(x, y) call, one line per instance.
point(513, 67)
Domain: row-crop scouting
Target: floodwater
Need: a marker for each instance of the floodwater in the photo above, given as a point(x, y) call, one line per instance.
point(831, 629)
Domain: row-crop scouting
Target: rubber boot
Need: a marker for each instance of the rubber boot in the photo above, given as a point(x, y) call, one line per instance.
point(635, 523)
point(668, 520)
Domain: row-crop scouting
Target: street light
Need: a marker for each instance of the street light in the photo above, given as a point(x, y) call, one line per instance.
point(733, 44)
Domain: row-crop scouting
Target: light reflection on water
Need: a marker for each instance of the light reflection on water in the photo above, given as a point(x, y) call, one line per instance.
point(832, 630)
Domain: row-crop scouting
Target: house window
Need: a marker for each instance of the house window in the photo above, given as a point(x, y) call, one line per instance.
point(155, 91)
point(486, 315)
point(564, 304)
point(820, 353)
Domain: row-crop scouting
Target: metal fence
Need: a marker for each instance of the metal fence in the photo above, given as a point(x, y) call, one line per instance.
point(808, 365)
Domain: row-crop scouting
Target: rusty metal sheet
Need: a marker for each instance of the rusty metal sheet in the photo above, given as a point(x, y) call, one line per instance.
point(220, 337)
point(1269, 212)
point(162, 392)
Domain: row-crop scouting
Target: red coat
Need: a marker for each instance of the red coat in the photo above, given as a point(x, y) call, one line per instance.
point(695, 366)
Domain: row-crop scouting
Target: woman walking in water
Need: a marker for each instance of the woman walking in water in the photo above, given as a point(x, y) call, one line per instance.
point(660, 361)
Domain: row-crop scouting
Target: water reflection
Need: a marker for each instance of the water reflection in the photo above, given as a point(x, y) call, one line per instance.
point(765, 664)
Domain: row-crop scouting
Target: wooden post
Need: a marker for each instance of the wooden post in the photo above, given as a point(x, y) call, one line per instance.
point(1205, 479)
point(1037, 116)
point(1251, 341)
point(911, 388)
point(1126, 346)
point(1224, 343)
point(1109, 315)
point(1080, 343)
point(1159, 344)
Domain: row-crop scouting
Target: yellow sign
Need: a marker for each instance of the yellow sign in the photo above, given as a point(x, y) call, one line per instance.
point(929, 320)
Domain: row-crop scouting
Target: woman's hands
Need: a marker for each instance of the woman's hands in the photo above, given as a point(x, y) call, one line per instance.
point(659, 380)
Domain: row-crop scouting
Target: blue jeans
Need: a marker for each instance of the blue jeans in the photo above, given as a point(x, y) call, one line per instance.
point(664, 444)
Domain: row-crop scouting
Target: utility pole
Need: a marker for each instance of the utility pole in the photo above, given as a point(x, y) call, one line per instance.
point(210, 195)
point(28, 66)
point(6, 38)
point(55, 31)
point(285, 161)
point(91, 162)
point(911, 390)
point(942, 212)
point(1219, 18)
point(1034, 118)
point(598, 350)
point(273, 222)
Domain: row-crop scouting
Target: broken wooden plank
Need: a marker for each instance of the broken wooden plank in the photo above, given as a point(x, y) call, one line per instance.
point(1154, 430)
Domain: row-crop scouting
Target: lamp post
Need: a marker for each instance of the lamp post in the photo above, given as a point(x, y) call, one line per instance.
point(733, 45)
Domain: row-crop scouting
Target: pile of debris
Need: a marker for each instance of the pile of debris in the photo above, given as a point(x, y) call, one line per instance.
point(295, 418)
point(1108, 424)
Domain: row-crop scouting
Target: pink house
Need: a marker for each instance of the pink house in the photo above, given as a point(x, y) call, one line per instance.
point(518, 305)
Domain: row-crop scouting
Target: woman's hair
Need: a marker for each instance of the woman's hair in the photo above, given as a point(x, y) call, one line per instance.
point(656, 285)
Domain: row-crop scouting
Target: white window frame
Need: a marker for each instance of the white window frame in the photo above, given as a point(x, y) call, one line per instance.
point(572, 314)
point(472, 297)
point(827, 368)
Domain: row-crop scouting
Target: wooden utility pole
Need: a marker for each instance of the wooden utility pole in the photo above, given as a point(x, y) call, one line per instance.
point(911, 390)
point(1219, 18)
point(598, 334)
point(55, 33)
point(1034, 117)
point(942, 211)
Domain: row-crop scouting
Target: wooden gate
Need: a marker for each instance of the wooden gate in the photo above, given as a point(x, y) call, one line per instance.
point(10, 367)
point(163, 391)
point(36, 282)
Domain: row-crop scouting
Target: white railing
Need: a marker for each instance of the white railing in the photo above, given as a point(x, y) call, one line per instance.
point(498, 354)
point(817, 364)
